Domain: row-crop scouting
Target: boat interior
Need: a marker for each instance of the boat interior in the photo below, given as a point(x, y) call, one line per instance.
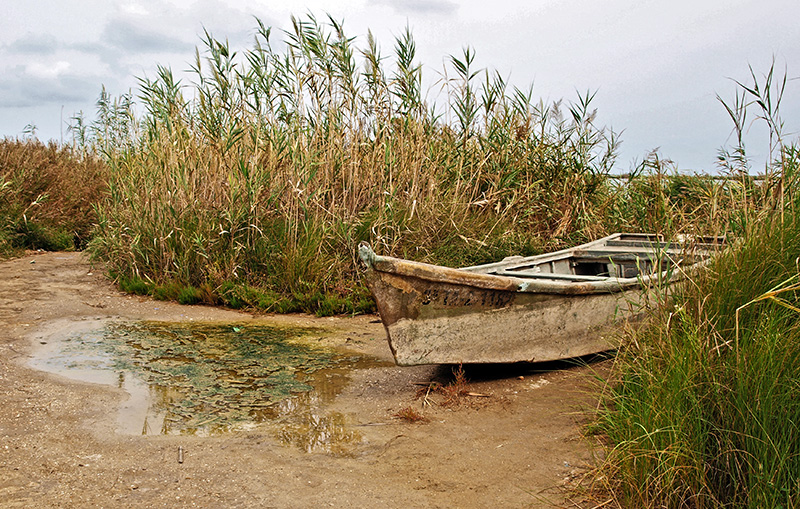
point(617, 256)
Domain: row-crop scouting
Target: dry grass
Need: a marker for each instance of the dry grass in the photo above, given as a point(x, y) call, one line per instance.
point(410, 414)
point(47, 195)
point(285, 160)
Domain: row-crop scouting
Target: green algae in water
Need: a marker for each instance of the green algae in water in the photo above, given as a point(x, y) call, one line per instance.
point(210, 377)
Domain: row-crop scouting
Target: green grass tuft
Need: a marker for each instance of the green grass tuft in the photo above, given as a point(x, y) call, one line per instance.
point(701, 409)
point(189, 295)
point(703, 416)
point(135, 285)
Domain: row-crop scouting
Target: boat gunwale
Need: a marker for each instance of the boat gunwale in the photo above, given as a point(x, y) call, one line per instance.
point(468, 276)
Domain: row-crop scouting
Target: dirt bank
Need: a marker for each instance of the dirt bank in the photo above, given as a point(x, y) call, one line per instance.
point(512, 446)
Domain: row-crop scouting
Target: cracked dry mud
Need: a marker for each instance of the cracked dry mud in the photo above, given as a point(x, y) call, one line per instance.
point(59, 445)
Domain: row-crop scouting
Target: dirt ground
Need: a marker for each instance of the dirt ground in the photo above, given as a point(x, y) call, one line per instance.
point(515, 443)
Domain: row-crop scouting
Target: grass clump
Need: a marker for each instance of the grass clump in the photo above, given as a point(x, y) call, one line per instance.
point(134, 285)
point(704, 411)
point(285, 159)
point(702, 407)
point(47, 195)
point(410, 414)
point(452, 391)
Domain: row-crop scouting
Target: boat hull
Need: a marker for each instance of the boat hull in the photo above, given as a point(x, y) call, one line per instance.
point(444, 323)
point(540, 308)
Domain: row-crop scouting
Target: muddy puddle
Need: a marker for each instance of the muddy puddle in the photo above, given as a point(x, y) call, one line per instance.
point(211, 378)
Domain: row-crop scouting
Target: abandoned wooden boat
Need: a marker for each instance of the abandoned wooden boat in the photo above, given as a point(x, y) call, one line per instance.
point(539, 308)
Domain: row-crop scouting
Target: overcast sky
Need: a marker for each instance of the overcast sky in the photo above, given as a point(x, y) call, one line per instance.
point(657, 66)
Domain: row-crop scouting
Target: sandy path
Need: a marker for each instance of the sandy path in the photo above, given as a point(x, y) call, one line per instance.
point(514, 448)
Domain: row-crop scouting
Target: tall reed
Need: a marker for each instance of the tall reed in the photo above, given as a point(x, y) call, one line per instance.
point(701, 410)
point(282, 161)
point(271, 165)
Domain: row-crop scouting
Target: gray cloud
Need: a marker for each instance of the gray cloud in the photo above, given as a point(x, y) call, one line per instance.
point(19, 88)
point(129, 37)
point(419, 6)
point(34, 44)
point(133, 42)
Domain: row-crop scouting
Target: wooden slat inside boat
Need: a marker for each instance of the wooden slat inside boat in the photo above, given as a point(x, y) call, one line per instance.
point(539, 308)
